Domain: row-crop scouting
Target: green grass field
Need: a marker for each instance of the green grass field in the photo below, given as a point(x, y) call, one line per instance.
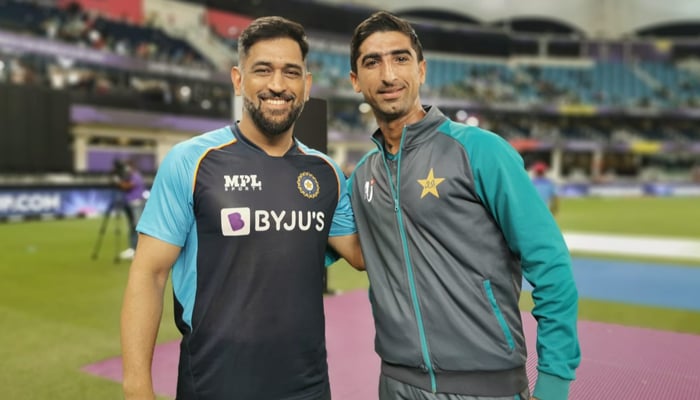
point(657, 216)
point(59, 308)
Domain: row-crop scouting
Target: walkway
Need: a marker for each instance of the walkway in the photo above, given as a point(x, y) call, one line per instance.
point(621, 363)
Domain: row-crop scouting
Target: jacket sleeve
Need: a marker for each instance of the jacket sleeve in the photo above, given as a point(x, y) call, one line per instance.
point(531, 232)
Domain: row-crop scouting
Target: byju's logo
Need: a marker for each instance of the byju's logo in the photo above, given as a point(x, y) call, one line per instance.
point(241, 183)
point(240, 221)
point(235, 221)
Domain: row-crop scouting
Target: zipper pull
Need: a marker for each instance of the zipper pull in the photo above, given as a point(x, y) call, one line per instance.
point(396, 205)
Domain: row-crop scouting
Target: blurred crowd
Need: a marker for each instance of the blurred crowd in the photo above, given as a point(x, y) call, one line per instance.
point(104, 83)
point(497, 95)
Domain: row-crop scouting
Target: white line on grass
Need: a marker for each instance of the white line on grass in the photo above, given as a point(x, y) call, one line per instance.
point(633, 245)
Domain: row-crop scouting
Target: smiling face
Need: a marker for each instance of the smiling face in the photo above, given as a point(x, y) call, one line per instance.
point(389, 76)
point(274, 84)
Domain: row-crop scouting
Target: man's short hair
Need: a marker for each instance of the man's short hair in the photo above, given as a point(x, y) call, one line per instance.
point(271, 27)
point(382, 21)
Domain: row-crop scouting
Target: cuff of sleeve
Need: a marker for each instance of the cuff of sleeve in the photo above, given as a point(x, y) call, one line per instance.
point(550, 387)
point(331, 257)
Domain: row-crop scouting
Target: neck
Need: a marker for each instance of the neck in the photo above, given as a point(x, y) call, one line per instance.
point(392, 133)
point(272, 145)
point(392, 130)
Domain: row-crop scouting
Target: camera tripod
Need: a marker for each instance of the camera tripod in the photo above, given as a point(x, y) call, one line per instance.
point(116, 207)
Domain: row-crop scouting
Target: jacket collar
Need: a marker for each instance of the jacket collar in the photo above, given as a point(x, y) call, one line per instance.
point(416, 133)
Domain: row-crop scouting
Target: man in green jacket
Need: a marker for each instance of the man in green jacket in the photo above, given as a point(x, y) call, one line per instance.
point(449, 223)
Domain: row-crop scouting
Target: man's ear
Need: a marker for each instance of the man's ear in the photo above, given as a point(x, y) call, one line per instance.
point(309, 80)
point(353, 80)
point(422, 68)
point(236, 80)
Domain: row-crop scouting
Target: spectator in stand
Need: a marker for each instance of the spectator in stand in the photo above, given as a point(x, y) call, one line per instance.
point(546, 187)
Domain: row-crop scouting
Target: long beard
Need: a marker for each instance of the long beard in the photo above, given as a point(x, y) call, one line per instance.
point(272, 127)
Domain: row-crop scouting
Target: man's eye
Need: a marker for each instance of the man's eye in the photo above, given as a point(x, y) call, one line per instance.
point(370, 63)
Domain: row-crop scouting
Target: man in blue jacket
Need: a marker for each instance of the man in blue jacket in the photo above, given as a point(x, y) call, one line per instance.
point(449, 223)
point(239, 219)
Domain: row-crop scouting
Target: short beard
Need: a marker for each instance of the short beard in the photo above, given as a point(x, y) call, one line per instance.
point(270, 127)
point(387, 116)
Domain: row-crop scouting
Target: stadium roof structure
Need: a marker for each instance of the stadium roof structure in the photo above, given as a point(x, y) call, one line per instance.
point(600, 19)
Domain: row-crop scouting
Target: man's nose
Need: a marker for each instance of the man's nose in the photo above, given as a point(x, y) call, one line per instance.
point(276, 82)
point(388, 72)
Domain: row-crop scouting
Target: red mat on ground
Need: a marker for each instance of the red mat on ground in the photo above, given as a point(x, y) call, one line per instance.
point(620, 363)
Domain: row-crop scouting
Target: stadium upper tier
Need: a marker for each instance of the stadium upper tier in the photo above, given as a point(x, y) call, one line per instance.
point(654, 83)
point(91, 30)
point(108, 62)
point(653, 80)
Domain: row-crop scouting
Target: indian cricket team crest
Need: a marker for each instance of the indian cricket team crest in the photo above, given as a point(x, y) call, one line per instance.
point(308, 185)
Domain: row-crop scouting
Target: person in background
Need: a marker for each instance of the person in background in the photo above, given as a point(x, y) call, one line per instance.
point(545, 186)
point(242, 216)
point(449, 223)
point(130, 181)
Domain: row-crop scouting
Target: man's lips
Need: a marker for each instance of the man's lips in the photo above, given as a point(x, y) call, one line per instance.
point(391, 93)
point(275, 102)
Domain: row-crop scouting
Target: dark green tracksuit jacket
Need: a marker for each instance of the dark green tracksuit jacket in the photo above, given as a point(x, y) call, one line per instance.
point(448, 227)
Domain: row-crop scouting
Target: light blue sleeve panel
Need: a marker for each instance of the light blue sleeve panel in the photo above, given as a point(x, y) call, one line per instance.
point(168, 214)
point(528, 226)
point(343, 219)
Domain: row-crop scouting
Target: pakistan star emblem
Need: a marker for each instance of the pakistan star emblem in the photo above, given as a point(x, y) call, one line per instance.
point(430, 184)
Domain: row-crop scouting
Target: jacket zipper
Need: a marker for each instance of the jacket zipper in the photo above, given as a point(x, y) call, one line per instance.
point(395, 185)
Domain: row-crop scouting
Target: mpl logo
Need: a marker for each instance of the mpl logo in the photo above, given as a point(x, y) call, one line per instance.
point(235, 221)
point(241, 182)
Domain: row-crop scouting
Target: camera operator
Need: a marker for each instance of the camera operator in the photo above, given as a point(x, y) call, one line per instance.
point(130, 181)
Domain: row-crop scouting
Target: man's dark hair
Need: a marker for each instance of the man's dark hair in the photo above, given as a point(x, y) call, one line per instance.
point(273, 27)
point(382, 21)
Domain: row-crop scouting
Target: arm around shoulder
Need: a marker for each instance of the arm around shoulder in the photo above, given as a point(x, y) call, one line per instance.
point(348, 247)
